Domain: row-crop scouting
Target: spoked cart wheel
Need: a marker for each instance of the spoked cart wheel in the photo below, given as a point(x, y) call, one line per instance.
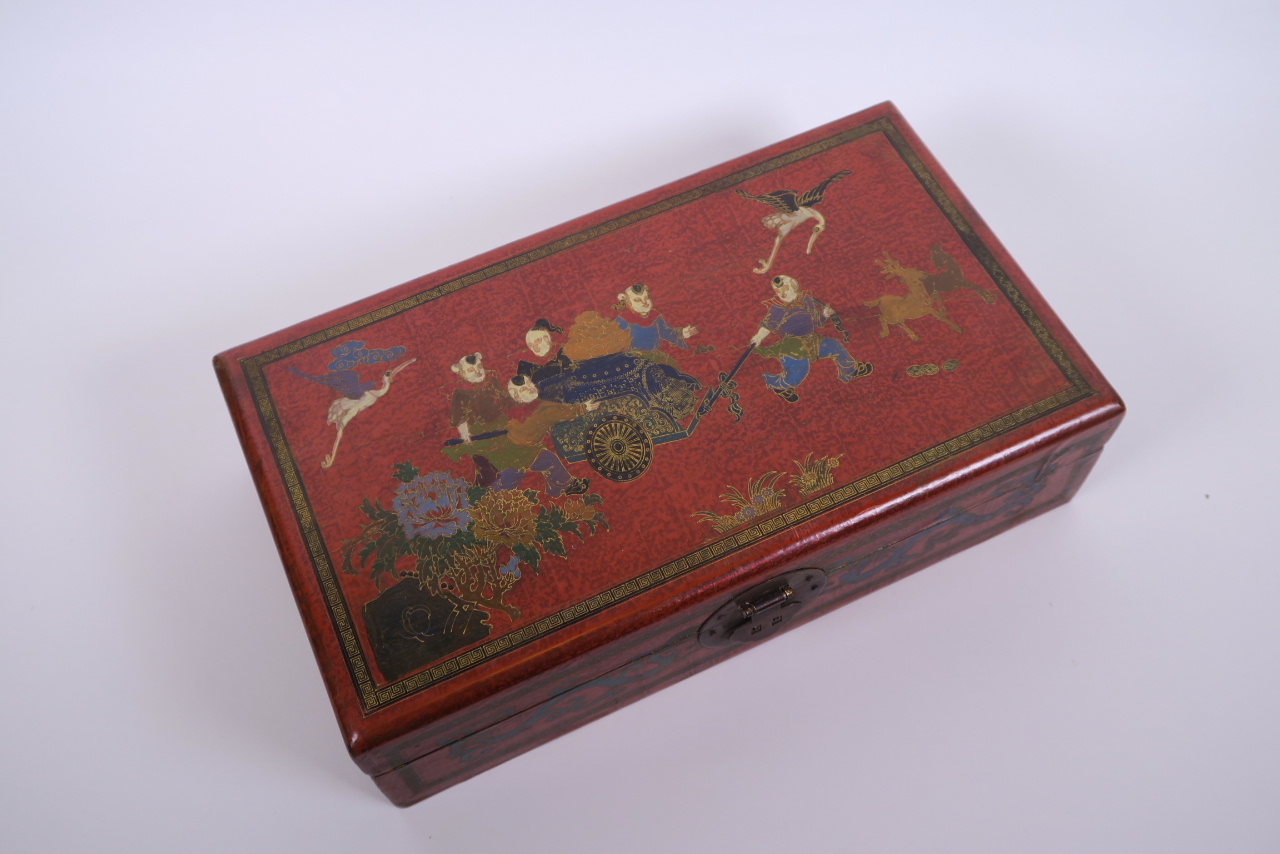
point(618, 448)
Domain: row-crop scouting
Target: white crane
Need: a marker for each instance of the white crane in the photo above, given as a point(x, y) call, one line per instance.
point(356, 397)
point(792, 208)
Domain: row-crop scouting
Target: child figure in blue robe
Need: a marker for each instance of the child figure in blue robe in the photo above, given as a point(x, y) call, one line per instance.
point(647, 335)
point(796, 317)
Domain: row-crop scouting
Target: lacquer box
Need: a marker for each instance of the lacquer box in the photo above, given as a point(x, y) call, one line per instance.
point(515, 494)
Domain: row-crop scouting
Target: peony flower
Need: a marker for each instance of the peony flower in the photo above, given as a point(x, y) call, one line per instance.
point(577, 510)
point(432, 505)
point(506, 518)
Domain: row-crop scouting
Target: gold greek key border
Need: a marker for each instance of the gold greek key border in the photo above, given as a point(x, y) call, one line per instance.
point(374, 697)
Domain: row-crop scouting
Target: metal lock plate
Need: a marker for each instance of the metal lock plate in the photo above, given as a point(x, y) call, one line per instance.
point(762, 611)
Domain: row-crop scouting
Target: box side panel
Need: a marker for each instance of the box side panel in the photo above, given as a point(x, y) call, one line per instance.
point(854, 569)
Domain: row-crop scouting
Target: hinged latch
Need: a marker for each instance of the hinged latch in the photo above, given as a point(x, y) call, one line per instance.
point(762, 611)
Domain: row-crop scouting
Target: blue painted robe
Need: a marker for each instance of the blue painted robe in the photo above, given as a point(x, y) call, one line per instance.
point(650, 337)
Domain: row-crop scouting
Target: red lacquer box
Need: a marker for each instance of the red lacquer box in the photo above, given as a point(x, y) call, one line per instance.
point(522, 491)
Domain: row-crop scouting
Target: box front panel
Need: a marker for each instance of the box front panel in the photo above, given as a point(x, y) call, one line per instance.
point(713, 368)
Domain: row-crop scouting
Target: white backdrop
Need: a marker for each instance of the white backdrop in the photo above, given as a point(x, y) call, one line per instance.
point(178, 178)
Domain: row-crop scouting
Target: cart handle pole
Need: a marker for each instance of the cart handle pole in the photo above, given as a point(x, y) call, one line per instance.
point(492, 434)
point(714, 394)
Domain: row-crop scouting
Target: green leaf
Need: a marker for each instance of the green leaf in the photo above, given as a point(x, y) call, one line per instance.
point(529, 555)
point(557, 520)
point(406, 471)
point(475, 493)
point(382, 566)
point(556, 546)
point(347, 549)
point(532, 495)
point(438, 549)
point(592, 499)
point(463, 539)
point(546, 530)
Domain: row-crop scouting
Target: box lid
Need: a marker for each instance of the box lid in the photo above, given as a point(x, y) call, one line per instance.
point(731, 369)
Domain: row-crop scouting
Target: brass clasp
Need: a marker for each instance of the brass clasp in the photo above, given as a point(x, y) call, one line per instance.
point(762, 611)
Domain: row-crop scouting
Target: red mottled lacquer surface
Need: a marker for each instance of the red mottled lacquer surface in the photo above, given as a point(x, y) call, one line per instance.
point(697, 261)
point(696, 254)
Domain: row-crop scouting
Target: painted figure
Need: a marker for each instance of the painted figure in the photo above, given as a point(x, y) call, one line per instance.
point(792, 209)
point(796, 317)
point(647, 334)
point(357, 396)
point(479, 406)
point(478, 411)
point(523, 447)
point(538, 340)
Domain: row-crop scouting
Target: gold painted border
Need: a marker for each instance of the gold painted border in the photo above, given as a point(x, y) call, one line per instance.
point(372, 696)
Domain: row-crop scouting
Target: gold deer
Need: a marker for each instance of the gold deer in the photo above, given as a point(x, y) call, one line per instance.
point(896, 310)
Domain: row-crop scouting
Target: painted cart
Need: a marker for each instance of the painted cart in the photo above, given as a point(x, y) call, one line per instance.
point(643, 402)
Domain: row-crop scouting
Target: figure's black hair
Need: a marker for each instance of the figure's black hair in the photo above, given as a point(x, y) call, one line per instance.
point(545, 326)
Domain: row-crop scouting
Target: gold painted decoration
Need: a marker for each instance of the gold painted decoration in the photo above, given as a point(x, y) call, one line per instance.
point(505, 486)
point(762, 496)
point(815, 474)
point(930, 369)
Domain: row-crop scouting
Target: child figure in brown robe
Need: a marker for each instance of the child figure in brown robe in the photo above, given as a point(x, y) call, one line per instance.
point(522, 449)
